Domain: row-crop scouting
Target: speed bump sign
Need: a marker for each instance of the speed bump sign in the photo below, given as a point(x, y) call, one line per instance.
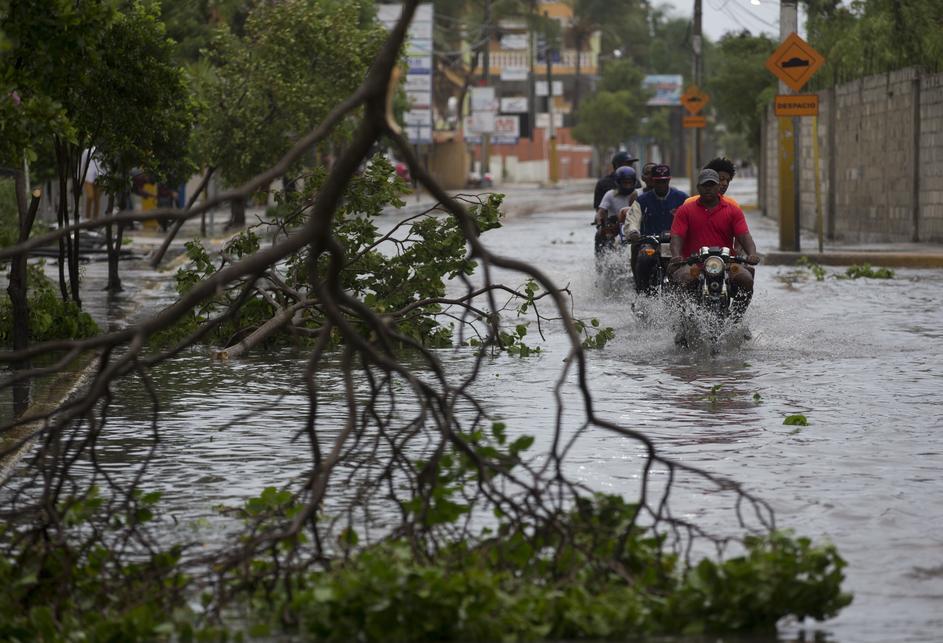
point(794, 62)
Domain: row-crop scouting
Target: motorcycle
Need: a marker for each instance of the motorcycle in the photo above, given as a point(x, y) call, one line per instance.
point(656, 283)
point(655, 245)
point(711, 314)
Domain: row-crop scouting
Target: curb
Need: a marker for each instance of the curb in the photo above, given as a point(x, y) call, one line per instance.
point(849, 258)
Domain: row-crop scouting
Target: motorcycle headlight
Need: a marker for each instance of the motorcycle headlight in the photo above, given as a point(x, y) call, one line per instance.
point(714, 266)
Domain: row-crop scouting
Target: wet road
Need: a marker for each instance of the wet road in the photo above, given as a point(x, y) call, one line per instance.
point(859, 358)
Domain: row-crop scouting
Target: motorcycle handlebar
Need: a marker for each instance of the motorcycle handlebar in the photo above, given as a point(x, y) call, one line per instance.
point(697, 258)
point(651, 238)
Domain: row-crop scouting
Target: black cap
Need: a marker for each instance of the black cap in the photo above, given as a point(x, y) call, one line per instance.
point(622, 158)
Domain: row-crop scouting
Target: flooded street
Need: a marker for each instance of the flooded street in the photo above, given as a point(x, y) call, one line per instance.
point(859, 358)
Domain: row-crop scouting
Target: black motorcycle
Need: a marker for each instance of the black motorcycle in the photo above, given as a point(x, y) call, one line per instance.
point(712, 312)
point(655, 248)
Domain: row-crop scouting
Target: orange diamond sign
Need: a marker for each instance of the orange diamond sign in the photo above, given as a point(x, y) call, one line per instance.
point(794, 62)
point(694, 100)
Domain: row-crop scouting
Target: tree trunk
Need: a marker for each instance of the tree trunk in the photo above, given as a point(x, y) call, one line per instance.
point(74, 259)
point(18, 288)
point(61, 218)
point(238, 214)
point(114, 250)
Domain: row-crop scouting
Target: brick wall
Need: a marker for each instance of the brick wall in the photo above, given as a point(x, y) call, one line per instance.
point(873, 187)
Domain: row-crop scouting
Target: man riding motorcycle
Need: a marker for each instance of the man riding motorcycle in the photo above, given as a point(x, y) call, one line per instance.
point(614, 207)
point(657, 208)
point(608, 182)
point(711, 221)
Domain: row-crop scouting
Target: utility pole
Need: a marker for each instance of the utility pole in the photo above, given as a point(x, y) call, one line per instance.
point(532, 76)
point(551, 130)
point(486, 80)
point(788, 147)
point(696, 47)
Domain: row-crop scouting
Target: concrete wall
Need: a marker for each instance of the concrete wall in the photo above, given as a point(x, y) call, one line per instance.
point(880, 160)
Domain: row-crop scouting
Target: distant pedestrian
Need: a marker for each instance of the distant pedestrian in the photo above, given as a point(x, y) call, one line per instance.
point(90, 189)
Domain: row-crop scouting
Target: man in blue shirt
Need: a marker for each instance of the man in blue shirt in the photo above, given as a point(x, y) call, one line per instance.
point(657, 207)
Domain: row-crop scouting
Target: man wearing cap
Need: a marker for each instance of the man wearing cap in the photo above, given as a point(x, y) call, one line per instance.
point(609, 182)
point(725, 170)
point(647, 176)
point(656, 214)
point(711, 221)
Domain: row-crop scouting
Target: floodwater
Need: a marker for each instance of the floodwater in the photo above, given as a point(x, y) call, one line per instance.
point(859, 358)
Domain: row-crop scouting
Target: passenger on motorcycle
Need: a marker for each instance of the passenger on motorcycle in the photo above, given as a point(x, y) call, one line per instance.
point(656, 214)
point(711, 221)
point(647, 177)
point(608, 182)
point(614, 207)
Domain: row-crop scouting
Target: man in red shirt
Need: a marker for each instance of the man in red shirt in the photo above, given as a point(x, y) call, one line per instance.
point(711, 221)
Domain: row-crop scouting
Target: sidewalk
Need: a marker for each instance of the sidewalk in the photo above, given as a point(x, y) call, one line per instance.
point(765, 232)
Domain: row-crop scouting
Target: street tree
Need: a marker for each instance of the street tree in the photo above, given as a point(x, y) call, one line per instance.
point(739, 84)
point(295, 60)
point(142, 115)
point(874, 36)
point(613, 114)
point(419, 514)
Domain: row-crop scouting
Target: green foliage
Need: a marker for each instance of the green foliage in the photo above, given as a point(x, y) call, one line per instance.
point(594, 337)
point(67, 590)
point(612, 114)
point(295, 61)
point(49, 316)
point(778, 575)
point(139, 110)
point(813, 267)
point(9, 216)
point(739, 85)
point(429, 251)
point(530, 584)
point(796, 419)
point(874, 36)
point(867, 272)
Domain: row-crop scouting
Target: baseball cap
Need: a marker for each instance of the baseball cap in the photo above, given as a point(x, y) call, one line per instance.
point(661, 172)
point(621, 158)
point(708, 176)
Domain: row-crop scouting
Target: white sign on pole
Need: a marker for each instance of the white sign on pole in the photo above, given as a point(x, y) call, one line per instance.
point(515, 41)
point(514, 105)
point(480, 122)
point(543, 120)
point(507, 129)
point(417, 63)
point(542, 88)
point(419, 47)
point(482, 99)
point(514, 73)
point(418, 117)
point(418, 81)
point(419, 99)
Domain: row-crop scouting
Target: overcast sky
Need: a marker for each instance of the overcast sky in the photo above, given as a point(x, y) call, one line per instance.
point(720, 16)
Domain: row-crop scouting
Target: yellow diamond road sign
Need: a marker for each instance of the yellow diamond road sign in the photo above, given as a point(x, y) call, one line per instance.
point(794, 62)
point(694, 100)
